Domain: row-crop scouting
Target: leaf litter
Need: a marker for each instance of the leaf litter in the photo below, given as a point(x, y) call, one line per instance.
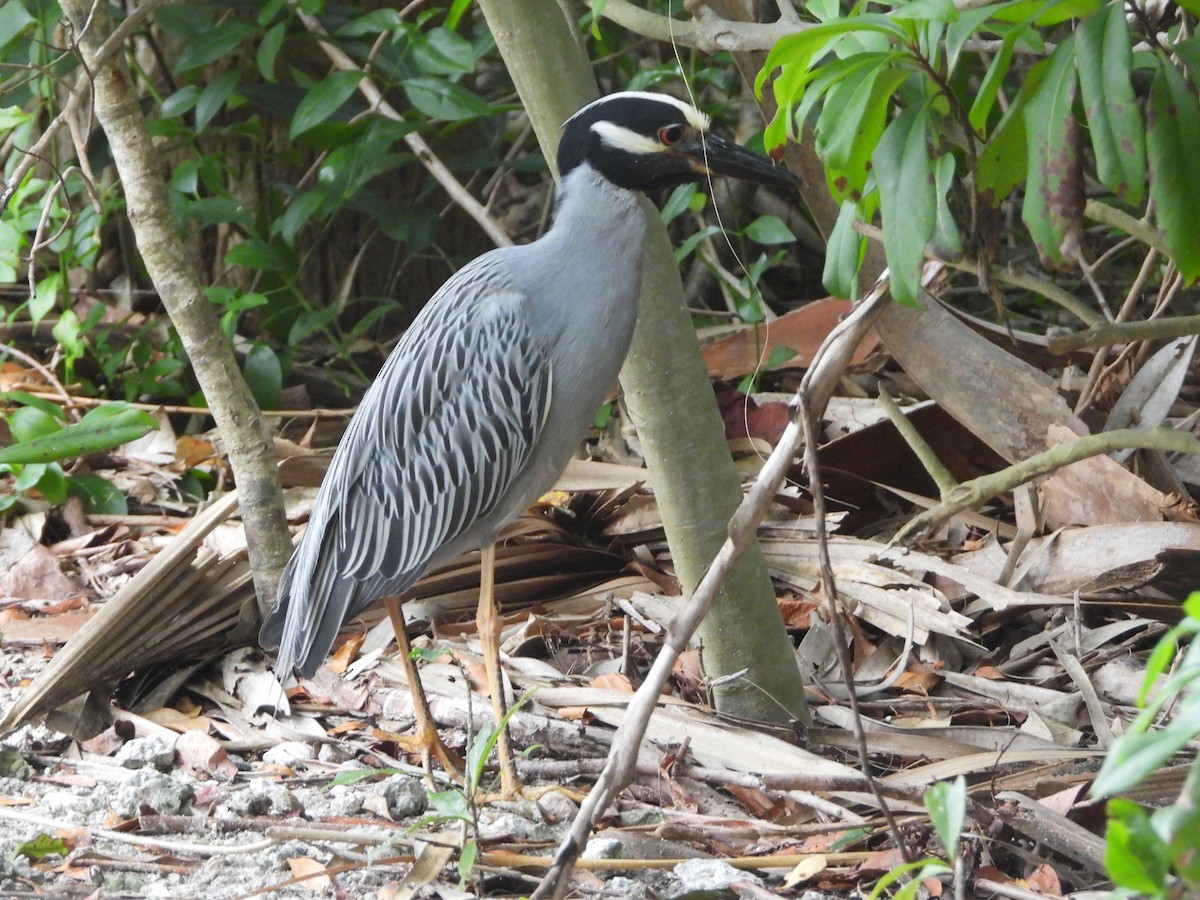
point(1015, 673)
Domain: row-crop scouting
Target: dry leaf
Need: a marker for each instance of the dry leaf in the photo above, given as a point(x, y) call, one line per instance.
point(347, 652)
point(614, 681)
point(804, 870)
point(1044, 880)
point(312, 872)
point(202, 757)
point(179, 721)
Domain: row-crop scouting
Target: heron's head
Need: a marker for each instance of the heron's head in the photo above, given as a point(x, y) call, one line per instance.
point(651, 142)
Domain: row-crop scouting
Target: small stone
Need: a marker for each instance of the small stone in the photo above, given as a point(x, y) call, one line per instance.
point(13, 765)
point(642, 815)
point(345, 800)
point(147, 753)
point(152, 790)
point(710, 875)
point(629, 888)
point(289, 753)
point(262, 798)
point(335, 753)
point(555, 807)
point(603, 848)
point(406, 796)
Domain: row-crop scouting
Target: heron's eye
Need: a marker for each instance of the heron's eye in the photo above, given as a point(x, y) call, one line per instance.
point(672, 134)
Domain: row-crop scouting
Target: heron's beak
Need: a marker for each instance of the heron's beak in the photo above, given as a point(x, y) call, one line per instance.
point(713, 155)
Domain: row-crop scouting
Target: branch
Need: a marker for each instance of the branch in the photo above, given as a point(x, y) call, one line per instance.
point(451, 185)
point(975, 493)
point(838, 348)
point(1104, 334)
point(706, 31)
point(139, 166)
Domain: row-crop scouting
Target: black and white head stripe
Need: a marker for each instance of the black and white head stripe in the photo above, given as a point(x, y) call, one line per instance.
point(631, 121)
point(619, 135)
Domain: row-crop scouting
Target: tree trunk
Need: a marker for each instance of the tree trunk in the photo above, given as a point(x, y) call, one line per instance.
point(669, 398)
point(246, 435)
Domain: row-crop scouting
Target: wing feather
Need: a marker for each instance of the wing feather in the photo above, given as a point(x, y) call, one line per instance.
point(435, 446)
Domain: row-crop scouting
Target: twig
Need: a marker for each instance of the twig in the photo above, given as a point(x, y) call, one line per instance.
point(1108, 333)
point(917, 444)
point(812, 466)
point(53, 825)
point(416, 143)
point(114, 42)
point(706, 31)
point(974, 493)
point(51, 379)
point(70, 402)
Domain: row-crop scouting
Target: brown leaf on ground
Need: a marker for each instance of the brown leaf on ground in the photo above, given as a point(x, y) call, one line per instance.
point(310, 874)
point(203, 757)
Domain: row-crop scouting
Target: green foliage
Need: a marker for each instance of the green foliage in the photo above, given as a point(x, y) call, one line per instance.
point(946, 803)
point(41, 442)
point(1158, 854)
point(916, 124)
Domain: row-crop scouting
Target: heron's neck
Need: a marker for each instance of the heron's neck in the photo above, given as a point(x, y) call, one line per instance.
point(591, 205)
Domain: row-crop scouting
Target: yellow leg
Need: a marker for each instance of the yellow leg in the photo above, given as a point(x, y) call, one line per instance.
point(487, 619)
point(425, 738)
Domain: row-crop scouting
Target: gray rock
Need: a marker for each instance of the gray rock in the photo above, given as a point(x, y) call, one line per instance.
point(629, 888)
point(262, 798)
point(406, 796)
point(147, 753)
point(603, 848)
point(495, 826)
point(159, 792)
point(74, 807)
point(556, 807)
point(345, 800)
point(289, 753)
point(710, 875)
point(13, 765)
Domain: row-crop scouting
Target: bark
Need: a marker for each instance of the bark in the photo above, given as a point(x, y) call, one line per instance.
point(241, 425)
point(670, 400)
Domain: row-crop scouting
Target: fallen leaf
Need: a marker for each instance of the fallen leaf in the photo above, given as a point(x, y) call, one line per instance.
point(202, 757)
point(1044, 880)
point(614, 681)
point(178, 721)
point(313, 873)
point(804, 870)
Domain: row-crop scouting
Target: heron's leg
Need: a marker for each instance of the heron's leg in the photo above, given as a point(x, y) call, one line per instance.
point(487, 620)
point(425, 738)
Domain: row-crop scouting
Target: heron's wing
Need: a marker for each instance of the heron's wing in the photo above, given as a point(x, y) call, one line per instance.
point(435, 445)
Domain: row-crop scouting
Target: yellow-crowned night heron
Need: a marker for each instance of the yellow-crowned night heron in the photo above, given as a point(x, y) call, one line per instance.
point(490, 390)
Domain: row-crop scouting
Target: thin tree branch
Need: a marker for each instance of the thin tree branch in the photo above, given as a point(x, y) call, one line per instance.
point(974, 493)
point(1105, 334)
point(424, 153)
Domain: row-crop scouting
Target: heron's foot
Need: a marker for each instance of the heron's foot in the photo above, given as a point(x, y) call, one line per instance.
point(426, 743)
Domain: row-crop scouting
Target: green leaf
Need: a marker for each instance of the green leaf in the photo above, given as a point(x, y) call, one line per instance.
point(1134, 854)
point(905, 173)
point(12, 117)
point(323, 100)
point(678, 203)
point(217, 210)
point(99, 495)
point(946, 239)
point(14, 398)
point(1172, 137)
point(844, 255)
point(264, 375)
point(256, 254)
point(450, 804)
point(1104, 58)
point(985, 97)
point(466, 860)
point(42, 846)
point(1004, 160)
point(29, 422)
point(214, 43)
point(45, 296)
point(94, 433)
point(442, 52)
point(1054, 184)
point(946, 803)
point(440, 99)
point(268, 50)
point(769, 230)
point(1135, 756)
point(213, 97)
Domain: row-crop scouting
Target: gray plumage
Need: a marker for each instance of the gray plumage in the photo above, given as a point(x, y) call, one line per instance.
point(492, 387)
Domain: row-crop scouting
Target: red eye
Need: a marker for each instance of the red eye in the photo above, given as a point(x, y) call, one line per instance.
point(672, 134)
